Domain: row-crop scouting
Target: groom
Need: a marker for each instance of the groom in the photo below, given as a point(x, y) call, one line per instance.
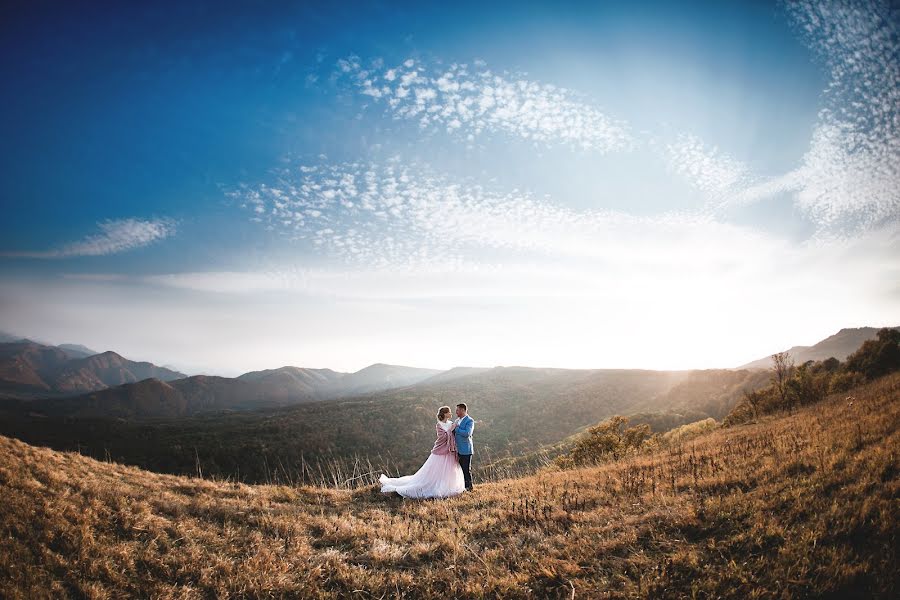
point(463, 433)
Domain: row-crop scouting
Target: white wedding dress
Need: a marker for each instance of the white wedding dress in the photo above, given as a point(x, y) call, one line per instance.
point(440, 476)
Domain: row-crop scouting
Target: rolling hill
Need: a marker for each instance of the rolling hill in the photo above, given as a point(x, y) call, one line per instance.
point(794, 506)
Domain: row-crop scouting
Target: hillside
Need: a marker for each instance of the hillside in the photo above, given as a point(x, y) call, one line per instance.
point(32, 370)
point(700, 395)
point(518, 411)
point(839, 346)
point(793, 506)
point(712, 392)
point(29, 365)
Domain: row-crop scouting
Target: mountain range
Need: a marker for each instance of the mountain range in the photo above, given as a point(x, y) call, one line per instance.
point(153, 398)
point(68, 381)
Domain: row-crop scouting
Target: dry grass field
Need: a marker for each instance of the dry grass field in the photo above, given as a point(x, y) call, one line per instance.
point(794, 506)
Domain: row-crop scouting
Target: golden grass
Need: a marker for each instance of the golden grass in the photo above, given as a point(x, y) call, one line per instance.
point(796, 506)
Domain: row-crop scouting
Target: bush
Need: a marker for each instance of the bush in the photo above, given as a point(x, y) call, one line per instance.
point(691, 430)
point(609, 440)
point(844, 381)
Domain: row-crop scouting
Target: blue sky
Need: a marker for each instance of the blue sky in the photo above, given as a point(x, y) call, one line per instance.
point(228, 186)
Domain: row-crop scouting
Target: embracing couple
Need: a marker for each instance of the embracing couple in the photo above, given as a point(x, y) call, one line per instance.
point(446, 471)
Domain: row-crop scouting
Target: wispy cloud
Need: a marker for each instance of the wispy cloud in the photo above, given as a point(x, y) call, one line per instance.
point(708, 169)
point(393, 214)
point(849, 179)
point(471, 100)
point(115, 236)
point(400, 215)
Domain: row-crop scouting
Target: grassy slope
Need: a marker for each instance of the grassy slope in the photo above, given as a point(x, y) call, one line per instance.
point(794, 506)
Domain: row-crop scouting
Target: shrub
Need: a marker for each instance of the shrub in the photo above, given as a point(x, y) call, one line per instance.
point(688, 431)
point(844, 381)
point(608, 440)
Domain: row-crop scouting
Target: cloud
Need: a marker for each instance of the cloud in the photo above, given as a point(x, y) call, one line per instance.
point(116, 236)
point(403, 237)
point(405, 215)
point(396, 215)
point(711, 171)
point(470, 101)
point(851, 172)
point(229, 282)
point(849, 178)
point(673, 266)
point(848, 181)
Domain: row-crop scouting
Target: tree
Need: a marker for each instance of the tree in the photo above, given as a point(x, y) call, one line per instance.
point(877, 357)
point(782, 369)
point(805, 386)
point(829, 365)
point(754, 400)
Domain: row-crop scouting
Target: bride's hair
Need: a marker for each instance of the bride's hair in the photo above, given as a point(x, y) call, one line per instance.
point(444, 410)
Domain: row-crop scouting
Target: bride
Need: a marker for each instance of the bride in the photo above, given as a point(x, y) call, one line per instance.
point(440, 476)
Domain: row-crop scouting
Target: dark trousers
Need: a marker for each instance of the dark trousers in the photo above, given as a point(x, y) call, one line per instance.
point(465, 461)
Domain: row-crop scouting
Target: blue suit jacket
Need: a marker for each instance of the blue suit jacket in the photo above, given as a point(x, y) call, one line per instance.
point(463, 433)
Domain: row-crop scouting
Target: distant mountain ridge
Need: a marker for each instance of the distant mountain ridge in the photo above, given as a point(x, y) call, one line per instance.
point(380, 376)
point(29, 370)
point(78, 350)
point(840, 346)
point(154, 398)
point(106, 384)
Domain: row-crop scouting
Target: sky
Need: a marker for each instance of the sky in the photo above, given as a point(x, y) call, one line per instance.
point(230, 186)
